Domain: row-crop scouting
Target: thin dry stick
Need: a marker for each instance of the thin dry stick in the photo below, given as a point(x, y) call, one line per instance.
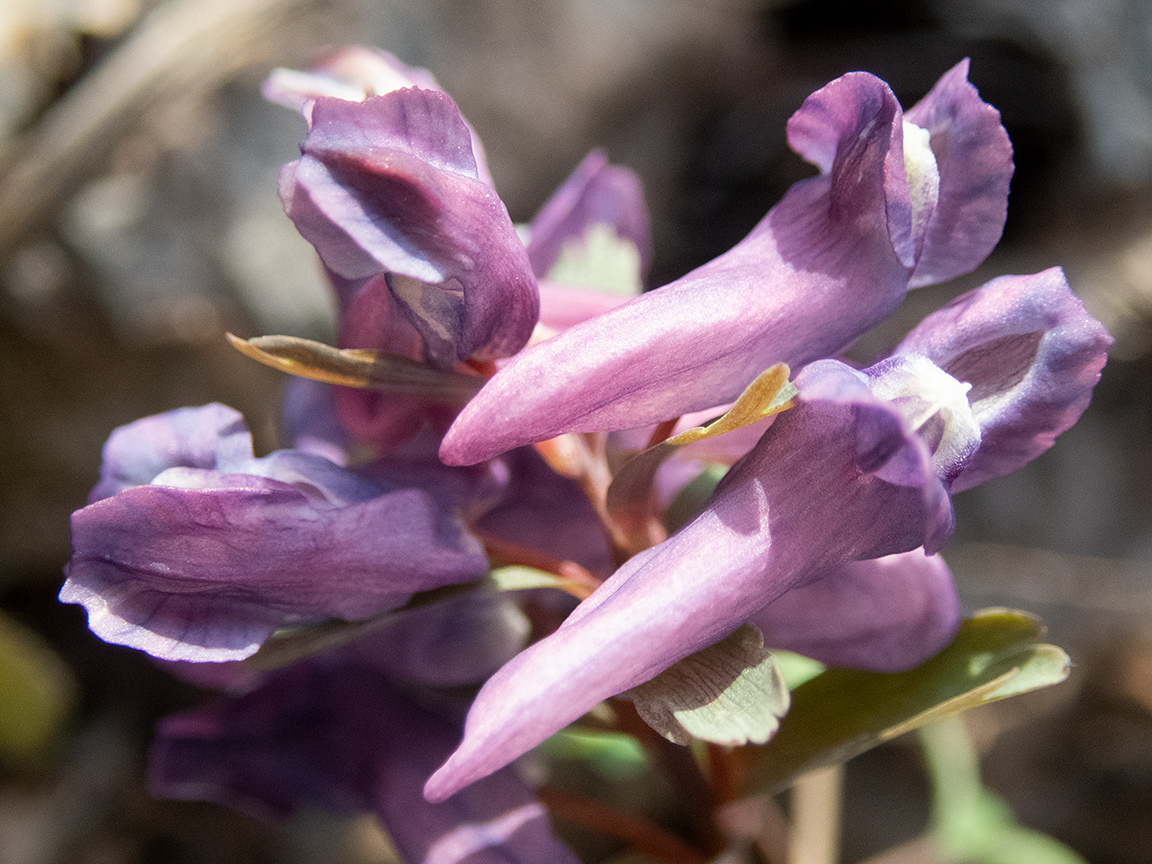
point(815, 835)
point(183, 49)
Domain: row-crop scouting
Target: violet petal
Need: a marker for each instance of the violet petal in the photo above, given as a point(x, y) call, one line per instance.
point(884, 614)
point(815, 273)
point(211, 436)
point(1032, 354)
point(390, 186)
point(342, 736)
point(974, 158)
point(206, 569)
point(595, 193)
point(798, 504)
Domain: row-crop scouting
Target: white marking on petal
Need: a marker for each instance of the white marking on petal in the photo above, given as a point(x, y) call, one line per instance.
point(923, 177)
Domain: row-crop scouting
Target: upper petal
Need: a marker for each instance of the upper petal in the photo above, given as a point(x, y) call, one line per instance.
point(1032, 354)
point(974, 158)
point(211, 436)
point(817, 271)
point(390, 186)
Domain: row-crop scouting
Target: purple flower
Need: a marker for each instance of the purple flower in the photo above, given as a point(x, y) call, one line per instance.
point(596, 193)
point(351, 731)
point(902, 200)
point(389, 189)
point(194, 550)
point(859, 469)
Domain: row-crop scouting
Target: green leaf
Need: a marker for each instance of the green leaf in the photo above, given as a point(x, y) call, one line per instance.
point(692, 499)
point(37, 692)
point(613, 755)
point(601, 260)
point(970, 822)
point(728, 693)
point(355, 367)
point(844, 712)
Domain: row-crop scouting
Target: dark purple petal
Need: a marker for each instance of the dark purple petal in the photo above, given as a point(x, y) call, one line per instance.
point(212, 436)
point(458, 641)
point(308, 420)
point(549, 513)
point(974, 158)
point(800, 503)
point(885, 614)
point(814, 274)
point(206, 569)
point(1032, 354)
point(343, 737)
point(354, 73)
point(595, 193)
point(390, 186)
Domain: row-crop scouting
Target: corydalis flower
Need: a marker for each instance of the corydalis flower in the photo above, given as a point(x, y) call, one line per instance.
point(902, 200)
point(342, 736)
point(355, 730)
point(390, 187)
point(192, 549)
point(860, 469)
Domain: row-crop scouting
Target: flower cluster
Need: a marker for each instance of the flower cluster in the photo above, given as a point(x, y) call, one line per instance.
point(497, 412)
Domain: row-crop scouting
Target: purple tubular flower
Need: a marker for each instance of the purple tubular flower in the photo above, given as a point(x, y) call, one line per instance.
point(389, 186)
point(341, 735)
point(354, 73)
point(808, 498)
point(595, 193)
point(835, 256)
point(212, 436)
point(884, 614)
point(1032, 355)
point(203, 563)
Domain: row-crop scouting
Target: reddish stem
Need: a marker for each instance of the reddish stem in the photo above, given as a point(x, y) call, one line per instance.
point(645, 836)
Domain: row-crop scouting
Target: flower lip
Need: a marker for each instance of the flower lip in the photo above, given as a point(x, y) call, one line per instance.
point(934, 404)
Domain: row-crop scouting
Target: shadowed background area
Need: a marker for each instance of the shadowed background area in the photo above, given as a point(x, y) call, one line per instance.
point(139, 221)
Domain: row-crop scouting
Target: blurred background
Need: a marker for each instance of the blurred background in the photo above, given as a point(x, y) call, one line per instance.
point(139, 220)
